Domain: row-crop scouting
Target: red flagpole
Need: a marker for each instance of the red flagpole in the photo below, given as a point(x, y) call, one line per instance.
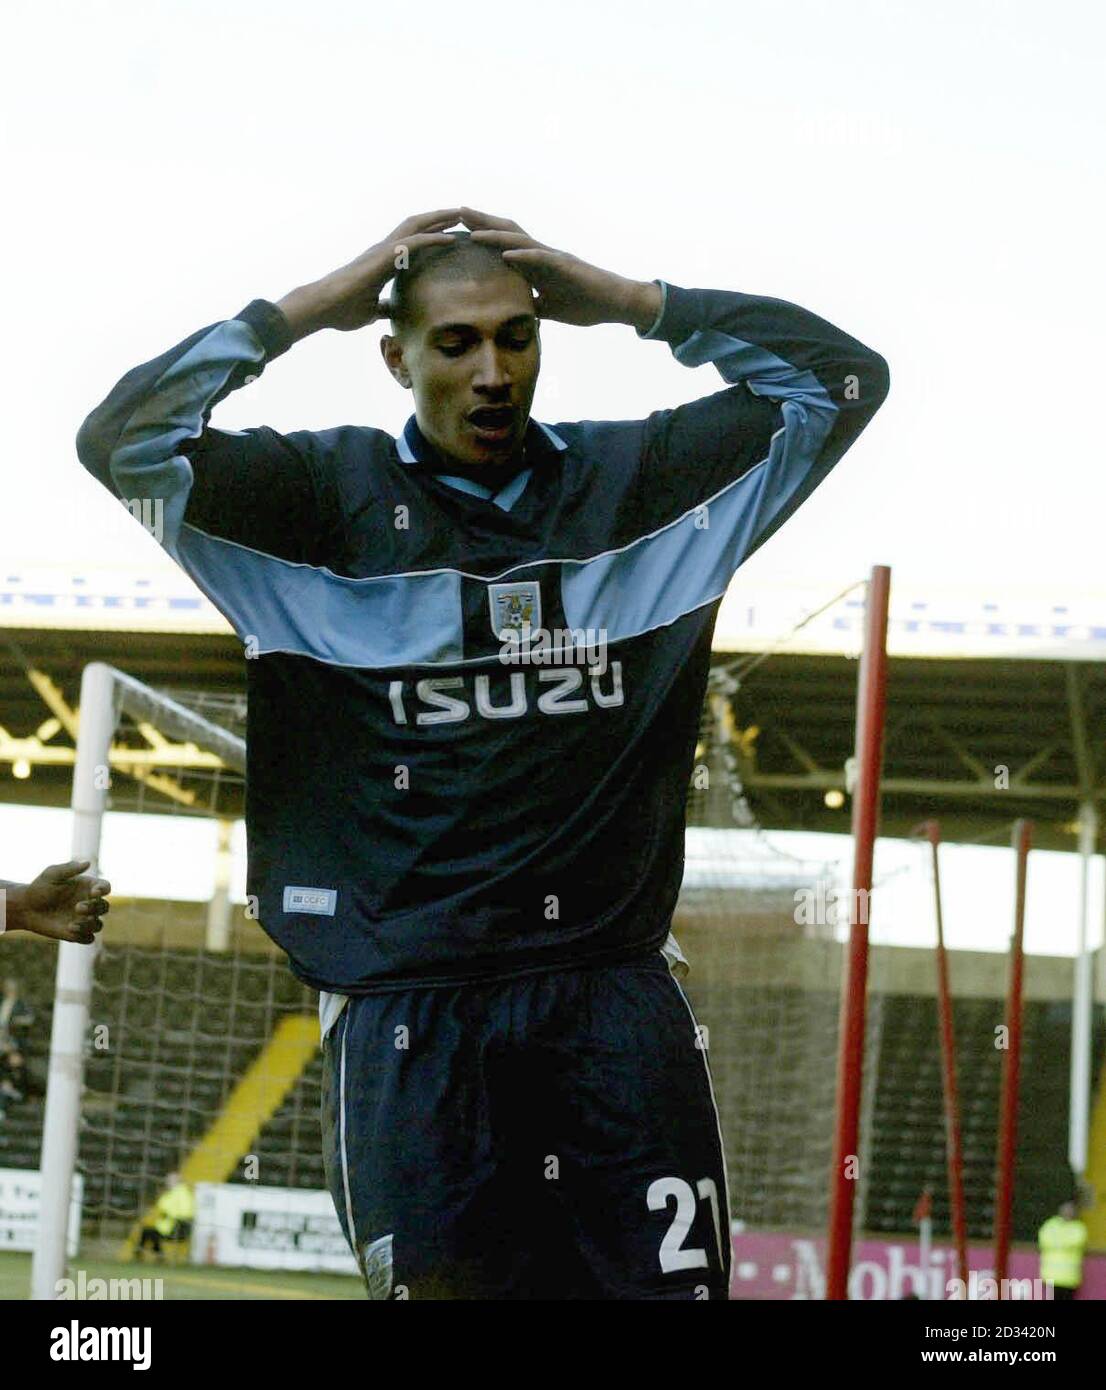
point(870, 715)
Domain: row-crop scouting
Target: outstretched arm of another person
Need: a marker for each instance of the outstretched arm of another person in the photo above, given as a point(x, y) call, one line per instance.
point(63, 903)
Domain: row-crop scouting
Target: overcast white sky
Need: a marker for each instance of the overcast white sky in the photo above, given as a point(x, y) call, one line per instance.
point(927, 175)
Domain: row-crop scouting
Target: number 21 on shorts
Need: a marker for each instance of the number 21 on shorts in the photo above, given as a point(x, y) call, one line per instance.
point(673, 1255)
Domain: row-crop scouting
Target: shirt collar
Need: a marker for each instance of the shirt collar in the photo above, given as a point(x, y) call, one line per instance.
point(539, 445)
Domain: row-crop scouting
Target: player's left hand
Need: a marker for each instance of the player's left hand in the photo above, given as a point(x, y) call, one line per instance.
point(66, 904)
point(569, 289)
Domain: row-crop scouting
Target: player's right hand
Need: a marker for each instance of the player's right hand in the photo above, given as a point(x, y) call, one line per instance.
point(352, 294)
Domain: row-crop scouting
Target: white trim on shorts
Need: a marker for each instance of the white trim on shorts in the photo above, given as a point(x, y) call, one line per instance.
point(724, 1233)
point(342, 1141)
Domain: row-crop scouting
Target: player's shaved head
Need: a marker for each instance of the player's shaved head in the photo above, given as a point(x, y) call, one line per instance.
point(463, 259)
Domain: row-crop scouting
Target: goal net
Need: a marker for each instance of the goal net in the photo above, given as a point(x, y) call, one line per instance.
point(762, 929)
point(181, 1043)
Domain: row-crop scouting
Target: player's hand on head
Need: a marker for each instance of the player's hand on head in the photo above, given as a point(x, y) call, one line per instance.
point(65, 903)
point(477, 221)
point(352, 295)
point(363, 280)
point(568, 289)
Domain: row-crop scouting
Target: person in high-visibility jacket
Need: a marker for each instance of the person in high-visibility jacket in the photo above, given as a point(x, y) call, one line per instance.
point(1062, 1240)
point(173, 1215)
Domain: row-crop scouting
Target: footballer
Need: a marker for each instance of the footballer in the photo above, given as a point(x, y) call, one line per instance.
point(477, 655)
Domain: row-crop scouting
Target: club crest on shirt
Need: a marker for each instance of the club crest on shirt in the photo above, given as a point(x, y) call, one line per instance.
point(515, 608)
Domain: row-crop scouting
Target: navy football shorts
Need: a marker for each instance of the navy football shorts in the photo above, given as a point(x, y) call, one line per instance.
point(553, 1136)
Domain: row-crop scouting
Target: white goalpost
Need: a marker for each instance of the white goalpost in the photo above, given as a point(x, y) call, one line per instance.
point(106, 694)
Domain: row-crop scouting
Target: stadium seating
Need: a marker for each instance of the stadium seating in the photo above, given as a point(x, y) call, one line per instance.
point(908, 1127)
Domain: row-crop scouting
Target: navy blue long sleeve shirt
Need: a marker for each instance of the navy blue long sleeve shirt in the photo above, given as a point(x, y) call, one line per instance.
point(423, 803)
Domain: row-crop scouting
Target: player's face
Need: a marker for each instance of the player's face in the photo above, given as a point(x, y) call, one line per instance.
point(473, 357)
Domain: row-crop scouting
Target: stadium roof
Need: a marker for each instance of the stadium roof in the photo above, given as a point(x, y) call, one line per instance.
point(936, 623)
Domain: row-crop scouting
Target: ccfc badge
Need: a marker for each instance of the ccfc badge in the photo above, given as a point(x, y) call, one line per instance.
point(515, 608)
